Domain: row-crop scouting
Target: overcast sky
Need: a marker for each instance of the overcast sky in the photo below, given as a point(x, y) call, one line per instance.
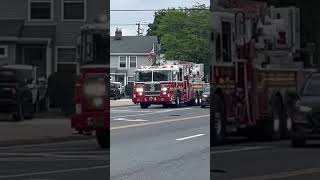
point(126, 20)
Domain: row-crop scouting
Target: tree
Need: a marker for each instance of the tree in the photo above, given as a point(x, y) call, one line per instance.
point(183, 33)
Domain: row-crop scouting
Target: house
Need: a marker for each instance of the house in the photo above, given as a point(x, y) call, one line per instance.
point(44, 33)
point(127, 53)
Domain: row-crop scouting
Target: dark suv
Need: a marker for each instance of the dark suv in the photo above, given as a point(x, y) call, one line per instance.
point(15, 96)
point(306, 114)
point(114, 91)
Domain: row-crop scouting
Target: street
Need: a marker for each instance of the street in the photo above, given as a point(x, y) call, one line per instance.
point(79, 160)
point(160, 143)
point(242, 160)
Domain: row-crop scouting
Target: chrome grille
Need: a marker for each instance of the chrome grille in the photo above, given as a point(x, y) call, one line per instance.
point(152, 93)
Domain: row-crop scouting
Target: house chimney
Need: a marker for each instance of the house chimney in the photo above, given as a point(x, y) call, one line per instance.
point(118, 34)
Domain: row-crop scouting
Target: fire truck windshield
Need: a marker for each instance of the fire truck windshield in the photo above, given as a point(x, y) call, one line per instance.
point(162, 75)
point(143, 76)
point(153, 75)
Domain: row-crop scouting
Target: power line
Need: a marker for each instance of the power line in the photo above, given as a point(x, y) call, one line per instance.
point(153, 10)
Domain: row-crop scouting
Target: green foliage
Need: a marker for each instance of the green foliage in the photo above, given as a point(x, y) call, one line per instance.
point(183, 33)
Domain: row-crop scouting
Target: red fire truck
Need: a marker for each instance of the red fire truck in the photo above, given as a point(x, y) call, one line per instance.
point(168, 84)
point(91, 93)
point(256, 70)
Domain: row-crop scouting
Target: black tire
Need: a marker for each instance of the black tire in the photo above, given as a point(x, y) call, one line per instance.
point(103, 138)
point(203, 106)
point(298, 142)
point(273, 125)
point(217, 121)
point(165, 105)
point(144, 105)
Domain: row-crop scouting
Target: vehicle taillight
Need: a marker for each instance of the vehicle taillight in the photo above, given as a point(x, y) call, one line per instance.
point(78, 109)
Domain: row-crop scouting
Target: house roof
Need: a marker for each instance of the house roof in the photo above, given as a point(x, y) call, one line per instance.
point(133, 44)
point(11, 27)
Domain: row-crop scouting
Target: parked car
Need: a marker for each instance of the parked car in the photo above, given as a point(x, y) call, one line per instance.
point(114, 91)
point(205, 97)
point(16, 96)
point(305, 117)
point(121, 88)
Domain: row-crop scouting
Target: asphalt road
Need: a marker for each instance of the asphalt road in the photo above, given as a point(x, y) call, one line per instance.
point(160, 143)
point(242, 160)
point(80, 160)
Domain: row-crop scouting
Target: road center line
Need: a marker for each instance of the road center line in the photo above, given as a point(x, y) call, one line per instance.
point(157, 122)
point(190, 137)
point(284, 174)
point(54, 172)
point(157, 112)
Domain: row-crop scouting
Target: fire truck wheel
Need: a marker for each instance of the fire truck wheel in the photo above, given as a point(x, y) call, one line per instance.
point(144, 105)
point(217, 121)
point(103, 138)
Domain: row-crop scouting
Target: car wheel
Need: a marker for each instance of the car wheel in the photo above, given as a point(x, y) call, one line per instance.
point(144, 105)
point(298, 142)
point(103, 138)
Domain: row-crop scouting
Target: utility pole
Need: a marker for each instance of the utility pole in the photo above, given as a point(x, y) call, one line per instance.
point(139, 29)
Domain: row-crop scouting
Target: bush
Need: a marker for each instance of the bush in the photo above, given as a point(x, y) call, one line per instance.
point(61, 87)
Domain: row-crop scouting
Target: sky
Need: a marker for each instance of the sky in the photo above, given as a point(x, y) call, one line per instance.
point(126, 21)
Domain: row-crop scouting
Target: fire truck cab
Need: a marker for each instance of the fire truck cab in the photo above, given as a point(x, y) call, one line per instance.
point(168, 84)
point(92, 103)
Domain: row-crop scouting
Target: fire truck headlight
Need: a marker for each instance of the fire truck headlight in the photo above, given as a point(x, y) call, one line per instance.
point(164, 89)
point(139, 90)
point(98, 102)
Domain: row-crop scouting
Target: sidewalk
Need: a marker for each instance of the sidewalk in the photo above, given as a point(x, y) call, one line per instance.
point(121, 103)
point(37, 131)
point(47, 127)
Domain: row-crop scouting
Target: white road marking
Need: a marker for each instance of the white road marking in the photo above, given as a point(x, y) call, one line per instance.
point(157, 112)
point(54, 171)
point(157, 122)
point(129, 120)
point(240, 149)
point(190, 137)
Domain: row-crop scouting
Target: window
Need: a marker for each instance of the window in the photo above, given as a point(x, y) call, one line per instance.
point(133, 62)
point(123, 62)
point(74, 9)
point(40, 10)
point(3, 51)
point(226, 42)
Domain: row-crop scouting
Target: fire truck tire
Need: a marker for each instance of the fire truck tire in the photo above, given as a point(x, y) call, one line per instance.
point(273, 126)
point(217, 122)
point(103, 138)
point(144, 105)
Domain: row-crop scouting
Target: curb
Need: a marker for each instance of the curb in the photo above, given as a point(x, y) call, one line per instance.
point(39, 141)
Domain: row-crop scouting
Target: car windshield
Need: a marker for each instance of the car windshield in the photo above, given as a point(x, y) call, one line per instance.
point(143, 76)
point(312, 87)
point(162, 75)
